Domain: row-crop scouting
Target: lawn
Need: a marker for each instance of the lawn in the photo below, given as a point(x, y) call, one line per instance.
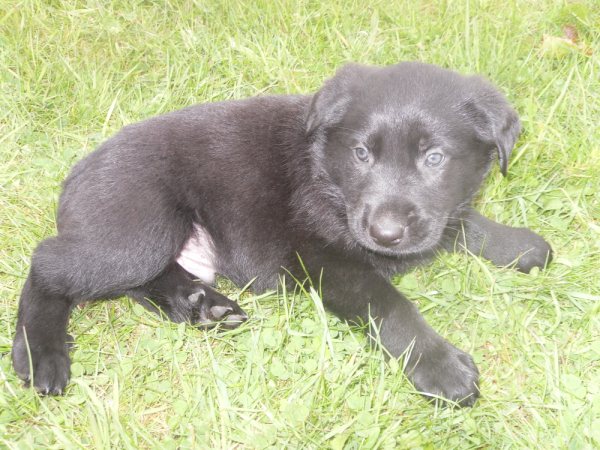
point(74, 72)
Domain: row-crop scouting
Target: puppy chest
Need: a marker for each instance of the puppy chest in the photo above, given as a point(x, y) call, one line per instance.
point(198, 255)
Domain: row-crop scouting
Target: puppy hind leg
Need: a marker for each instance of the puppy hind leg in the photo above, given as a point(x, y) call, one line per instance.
point(69, 269)
point(182, 299)
point(40, 342)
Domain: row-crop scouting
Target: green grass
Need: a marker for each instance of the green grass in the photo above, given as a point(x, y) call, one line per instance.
point(72, 73)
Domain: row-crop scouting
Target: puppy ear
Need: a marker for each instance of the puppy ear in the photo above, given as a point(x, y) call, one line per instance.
point(329, 105)
point(495, 121)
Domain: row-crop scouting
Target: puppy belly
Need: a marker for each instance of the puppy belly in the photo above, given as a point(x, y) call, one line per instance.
point(198, 255)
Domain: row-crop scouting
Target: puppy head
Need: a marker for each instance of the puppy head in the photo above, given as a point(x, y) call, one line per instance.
point(405, 147)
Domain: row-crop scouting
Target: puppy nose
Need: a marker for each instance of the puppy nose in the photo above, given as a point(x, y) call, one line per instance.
point(387, 232)
point(390, 223)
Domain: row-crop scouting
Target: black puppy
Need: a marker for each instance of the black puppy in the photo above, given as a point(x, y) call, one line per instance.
point(366, 178)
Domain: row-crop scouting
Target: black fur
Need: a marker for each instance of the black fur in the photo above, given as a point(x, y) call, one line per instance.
point(366, 178)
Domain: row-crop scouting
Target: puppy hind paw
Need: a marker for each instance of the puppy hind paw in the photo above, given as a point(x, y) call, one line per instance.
point(213, 309)
point(51, 368)
point(51, 374)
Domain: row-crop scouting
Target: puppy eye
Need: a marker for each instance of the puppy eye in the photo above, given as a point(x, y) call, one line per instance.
point(434, 159)
point(362, 153)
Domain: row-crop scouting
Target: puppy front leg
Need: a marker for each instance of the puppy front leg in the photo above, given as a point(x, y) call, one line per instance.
point(501, 244)
point(355, 291)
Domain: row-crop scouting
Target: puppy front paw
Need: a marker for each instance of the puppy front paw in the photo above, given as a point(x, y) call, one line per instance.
point(446, 372)
point(536, 253)
point(50, 364)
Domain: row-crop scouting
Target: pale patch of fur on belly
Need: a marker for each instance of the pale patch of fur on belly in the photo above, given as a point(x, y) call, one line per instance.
point(198, 255)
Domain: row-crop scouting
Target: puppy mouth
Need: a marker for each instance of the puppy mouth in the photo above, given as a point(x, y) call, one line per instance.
point(414, 240)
